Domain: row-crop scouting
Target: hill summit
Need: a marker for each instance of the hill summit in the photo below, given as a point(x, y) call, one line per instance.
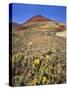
point(37, 18)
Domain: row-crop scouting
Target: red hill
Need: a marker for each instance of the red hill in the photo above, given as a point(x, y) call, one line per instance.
point(37, 18)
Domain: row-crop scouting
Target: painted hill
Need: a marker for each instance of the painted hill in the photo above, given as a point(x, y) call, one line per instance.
point(37, 18)
point(42, 23)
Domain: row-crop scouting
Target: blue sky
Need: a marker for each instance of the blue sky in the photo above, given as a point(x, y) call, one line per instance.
point(22, 12)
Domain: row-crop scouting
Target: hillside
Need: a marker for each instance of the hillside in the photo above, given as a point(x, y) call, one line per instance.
point(41, 23)
point(38, 52)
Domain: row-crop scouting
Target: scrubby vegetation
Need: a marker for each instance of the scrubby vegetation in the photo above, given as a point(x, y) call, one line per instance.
point(37, 59)
point(48, 68)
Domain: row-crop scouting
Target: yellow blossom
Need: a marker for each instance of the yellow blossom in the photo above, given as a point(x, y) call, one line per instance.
point(44, 79)
point(36, 61)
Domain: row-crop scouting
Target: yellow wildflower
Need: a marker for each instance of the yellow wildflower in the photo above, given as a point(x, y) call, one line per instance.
point(44, 79)
point(36, 61)
point(48, 58)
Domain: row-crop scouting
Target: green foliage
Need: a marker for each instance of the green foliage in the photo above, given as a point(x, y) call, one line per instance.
point(17, 81)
